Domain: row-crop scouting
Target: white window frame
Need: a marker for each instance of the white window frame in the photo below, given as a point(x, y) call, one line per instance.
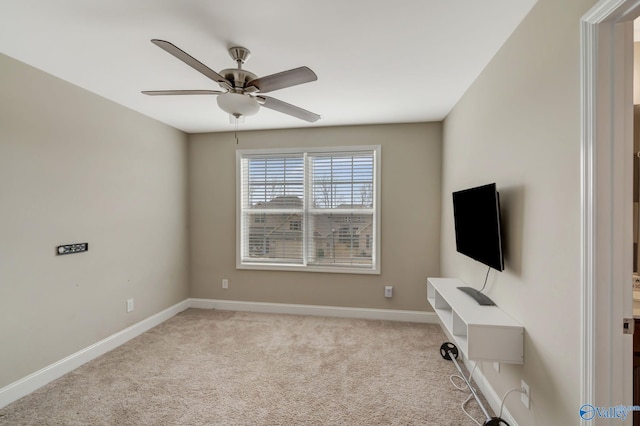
point(304, 267)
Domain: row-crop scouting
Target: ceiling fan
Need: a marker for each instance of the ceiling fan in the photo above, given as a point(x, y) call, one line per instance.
point(243, 90)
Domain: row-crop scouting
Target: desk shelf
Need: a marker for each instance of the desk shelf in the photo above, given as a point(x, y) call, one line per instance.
point(482, 333)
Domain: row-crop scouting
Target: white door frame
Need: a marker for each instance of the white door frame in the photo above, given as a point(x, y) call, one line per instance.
point(607, 169)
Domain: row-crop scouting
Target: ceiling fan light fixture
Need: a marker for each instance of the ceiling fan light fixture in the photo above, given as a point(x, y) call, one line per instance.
point(237, 104)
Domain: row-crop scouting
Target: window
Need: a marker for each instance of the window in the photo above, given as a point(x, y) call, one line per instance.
point(313, 210)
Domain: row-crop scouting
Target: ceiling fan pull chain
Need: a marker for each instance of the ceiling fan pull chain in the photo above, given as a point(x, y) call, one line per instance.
point(235, 132)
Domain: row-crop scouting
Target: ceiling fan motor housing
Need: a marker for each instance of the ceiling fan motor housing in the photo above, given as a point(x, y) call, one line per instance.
point(238, 78)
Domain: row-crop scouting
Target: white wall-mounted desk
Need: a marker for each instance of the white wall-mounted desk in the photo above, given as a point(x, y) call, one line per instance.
point(481, 333)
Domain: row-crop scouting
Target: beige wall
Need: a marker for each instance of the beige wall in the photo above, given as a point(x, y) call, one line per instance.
point(75, 167)
point(519, 125)
point(410, 219)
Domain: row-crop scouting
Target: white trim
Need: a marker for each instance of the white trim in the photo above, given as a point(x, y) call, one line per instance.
point(36, 380)
point(326, 311)
point(605, 95)
point(354, 149)
point(587, 74)
point(308, 268)
point(241, 240)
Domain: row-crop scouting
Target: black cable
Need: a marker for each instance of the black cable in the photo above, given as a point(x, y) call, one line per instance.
point(485, 280)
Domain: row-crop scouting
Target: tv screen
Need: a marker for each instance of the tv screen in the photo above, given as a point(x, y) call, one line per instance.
point(476, 213)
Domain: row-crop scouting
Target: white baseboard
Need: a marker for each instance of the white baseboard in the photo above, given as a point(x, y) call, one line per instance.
point(30, 383)
point(325, 311)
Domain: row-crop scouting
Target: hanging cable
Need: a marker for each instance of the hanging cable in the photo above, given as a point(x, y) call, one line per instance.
point(485, 279)
point(456, 376)
point(464, 387)
point(519, 390)
point(469, 398)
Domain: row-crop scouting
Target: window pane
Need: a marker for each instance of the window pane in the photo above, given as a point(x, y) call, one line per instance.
point(342, 181)
point(274, 182)
point(274, 237)
point(341, 239)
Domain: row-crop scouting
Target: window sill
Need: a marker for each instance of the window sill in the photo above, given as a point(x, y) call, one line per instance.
point(308, 268)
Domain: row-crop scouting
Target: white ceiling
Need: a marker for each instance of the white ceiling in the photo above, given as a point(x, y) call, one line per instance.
point(377, 61)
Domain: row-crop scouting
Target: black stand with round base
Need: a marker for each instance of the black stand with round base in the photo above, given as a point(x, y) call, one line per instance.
point(449, 351)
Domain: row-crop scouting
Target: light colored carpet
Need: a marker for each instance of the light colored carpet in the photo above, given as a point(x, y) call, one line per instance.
point(205, 367)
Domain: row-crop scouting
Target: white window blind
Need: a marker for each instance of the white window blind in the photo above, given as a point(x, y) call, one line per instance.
point(341, 211)
point(272, 202)
point(313, 210)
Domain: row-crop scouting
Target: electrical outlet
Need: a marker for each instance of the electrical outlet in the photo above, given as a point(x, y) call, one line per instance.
point(225, 283)
point(129, 305)
point(496, 366)
point(525, 395)
point(388, 291)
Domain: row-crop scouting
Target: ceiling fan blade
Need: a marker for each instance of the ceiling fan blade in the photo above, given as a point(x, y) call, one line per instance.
point(192, 62)
point(294, 111)
point(181, 92)
point(283, 79)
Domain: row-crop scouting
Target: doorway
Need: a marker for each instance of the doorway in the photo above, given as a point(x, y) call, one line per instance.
point(607, 206)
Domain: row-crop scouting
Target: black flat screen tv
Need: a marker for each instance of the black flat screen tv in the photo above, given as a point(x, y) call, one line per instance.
point(476, 213)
